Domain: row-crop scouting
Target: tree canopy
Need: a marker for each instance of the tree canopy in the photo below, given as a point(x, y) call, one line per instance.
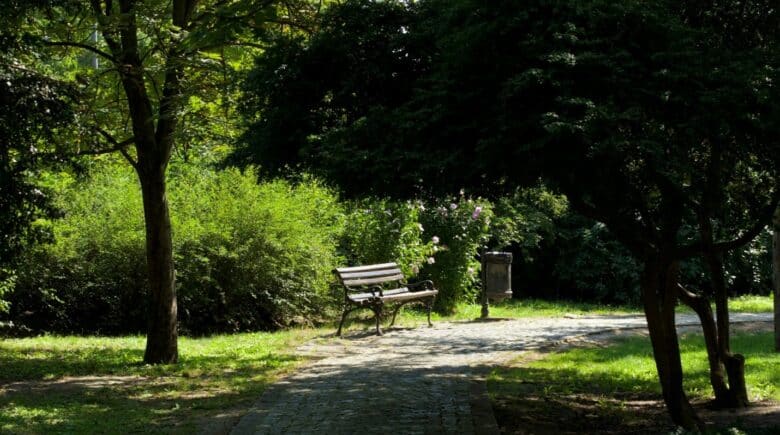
point(648, 123)
point(33, 110)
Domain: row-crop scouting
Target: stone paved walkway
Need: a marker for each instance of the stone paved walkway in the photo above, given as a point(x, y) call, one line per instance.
point(412, 381)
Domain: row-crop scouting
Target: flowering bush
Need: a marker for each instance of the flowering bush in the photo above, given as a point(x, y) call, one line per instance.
point(459, 227)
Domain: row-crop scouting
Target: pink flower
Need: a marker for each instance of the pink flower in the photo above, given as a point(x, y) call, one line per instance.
point(453, 206)
point(476, 213)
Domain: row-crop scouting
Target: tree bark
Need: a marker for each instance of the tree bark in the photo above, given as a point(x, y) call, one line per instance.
point(734, 363)
point(162, 336)
point(776, 270)
point(659, 290)
point(153, 145)
point(701, 306)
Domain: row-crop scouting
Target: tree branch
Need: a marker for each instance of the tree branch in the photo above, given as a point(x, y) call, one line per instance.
point(117, 146)
point(83, 46)
point(762, 220)
point(101, 17)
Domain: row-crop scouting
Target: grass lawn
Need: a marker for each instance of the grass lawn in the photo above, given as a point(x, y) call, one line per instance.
point(525, 308)
point(514, 309)
point(612, 386)
point(53, 384)
point(752, 304)
point(96, 385)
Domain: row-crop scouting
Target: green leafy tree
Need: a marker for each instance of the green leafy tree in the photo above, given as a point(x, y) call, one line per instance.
point(33, 110)
point(631, 112)
point(147, 65)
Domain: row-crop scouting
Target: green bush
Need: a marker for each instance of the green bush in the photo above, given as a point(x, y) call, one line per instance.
point(247, 256)
point(381, 230)
point(460, 227)
point(594, 266)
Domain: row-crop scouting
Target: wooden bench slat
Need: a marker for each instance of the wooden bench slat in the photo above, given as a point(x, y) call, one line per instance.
point(366, 268)
point(357, 297)
point(368, 281)
point(370, 274)
point(410, 295)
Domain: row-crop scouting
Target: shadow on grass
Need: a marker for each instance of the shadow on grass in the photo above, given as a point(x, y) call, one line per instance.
point(613, 388)
point(46, 363)
point(105, 391)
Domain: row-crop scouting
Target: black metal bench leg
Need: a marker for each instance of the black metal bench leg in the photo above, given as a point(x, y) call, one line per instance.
point(343, 318)
point(395, 312)
point(378, 317)
point(430, 306)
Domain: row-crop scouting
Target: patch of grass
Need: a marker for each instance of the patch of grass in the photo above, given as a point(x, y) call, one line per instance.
point(752, 304)
point(628, 366)
point(742, 304)
point(56, 384)
point(413, 315)
point(517, 309)
point(626, 370)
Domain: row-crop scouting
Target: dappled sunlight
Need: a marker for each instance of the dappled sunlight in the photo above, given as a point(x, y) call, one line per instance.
point(80, 384)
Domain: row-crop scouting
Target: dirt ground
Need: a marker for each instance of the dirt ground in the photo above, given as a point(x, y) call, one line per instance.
point(539, 412)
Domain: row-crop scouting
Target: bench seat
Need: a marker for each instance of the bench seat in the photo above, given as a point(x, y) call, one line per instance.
point(376, 285)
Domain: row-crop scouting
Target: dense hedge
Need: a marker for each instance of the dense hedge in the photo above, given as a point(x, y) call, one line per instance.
point(254, 256)
point(247, 256)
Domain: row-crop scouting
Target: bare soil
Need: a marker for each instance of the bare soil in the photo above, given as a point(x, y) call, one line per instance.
point(537, 411)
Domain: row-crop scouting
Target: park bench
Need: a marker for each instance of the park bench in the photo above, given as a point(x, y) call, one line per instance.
point(375, 286)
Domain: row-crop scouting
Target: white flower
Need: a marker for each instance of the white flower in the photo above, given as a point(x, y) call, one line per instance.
point(435, 240)
point(431, 260)
point(420, 226)
point(453, 206)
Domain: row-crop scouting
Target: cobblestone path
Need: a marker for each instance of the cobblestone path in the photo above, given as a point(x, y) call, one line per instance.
point(412, 381)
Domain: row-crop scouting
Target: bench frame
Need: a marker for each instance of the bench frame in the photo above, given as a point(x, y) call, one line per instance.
point(367, 287)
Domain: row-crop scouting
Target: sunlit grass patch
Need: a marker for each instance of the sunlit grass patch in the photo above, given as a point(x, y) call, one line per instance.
point(628, 367)
point(516, 309)
point(98, 385)
point(615, 388)
point(752, 304)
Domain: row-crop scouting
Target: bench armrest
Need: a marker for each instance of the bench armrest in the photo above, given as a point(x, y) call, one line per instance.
point(422, 285)
point(374, 289)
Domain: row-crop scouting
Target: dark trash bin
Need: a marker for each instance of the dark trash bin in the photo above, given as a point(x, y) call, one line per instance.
point(496, 278)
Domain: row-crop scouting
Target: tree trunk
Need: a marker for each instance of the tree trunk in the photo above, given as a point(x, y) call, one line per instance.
point(734, 363)
point(162, 336)
point(776, 269)
point(659, 290)
point(153, 145)
point(701, 306)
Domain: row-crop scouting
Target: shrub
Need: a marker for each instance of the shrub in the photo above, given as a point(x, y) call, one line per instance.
point(461, 227)
point(247, 256)
point(381, 230)
point(594, 266)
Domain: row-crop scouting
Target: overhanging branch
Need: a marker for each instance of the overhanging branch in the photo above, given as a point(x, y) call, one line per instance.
point(82, 46)
point(762, 220)
point(117, 146)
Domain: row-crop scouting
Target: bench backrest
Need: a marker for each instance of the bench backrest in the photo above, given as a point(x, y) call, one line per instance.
point(372, 274)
